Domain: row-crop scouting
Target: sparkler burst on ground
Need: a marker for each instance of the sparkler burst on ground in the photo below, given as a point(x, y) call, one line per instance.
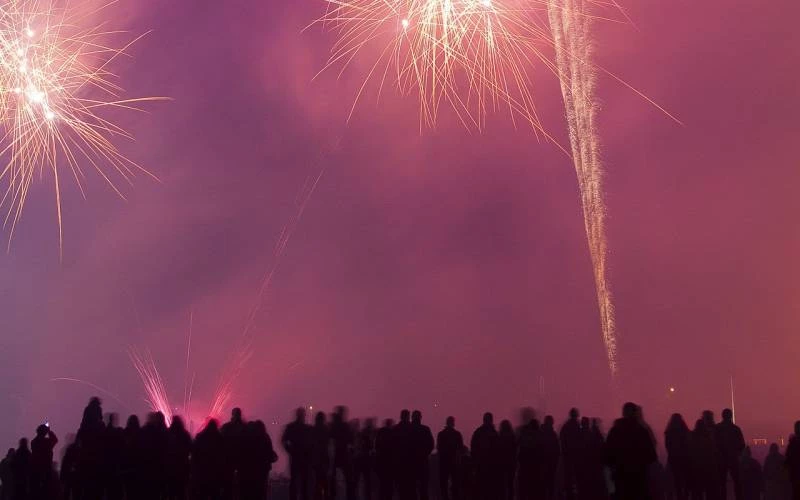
point(570, 23)
point(155, 390)
point(56, 92)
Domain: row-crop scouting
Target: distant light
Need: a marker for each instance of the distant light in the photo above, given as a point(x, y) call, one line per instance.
point(30, 33)
point(671, 389)
point(405, 23)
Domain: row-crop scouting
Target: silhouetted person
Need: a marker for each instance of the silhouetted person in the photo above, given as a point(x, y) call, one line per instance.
point(154, 441)
point(752, 476)
point(730, 445)
point(258, 457)
point(179, 449)
point(507, 459)
point(703, 453)
point(114, 443)
point(531, 460)
point(484, 448)
point(593, 480)
point(67, 471)
point(422, 446)
point(551, 456)
point(21, 471)
point(42, 461)
point(676, 440)
point(208, 469)
point(571, 450)
point(320, 459)
point(403, 456)
point(364, 456)
point(776, 479)
point(630, 451)
point(233, 438)
point(793, 461)
point(384, 460)
point(296, 441)
point(91, 446)
point(6, 475)
point(448, 446)
point(342, 440)
point(133, 459)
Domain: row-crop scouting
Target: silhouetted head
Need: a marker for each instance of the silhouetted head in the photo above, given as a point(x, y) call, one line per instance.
point(727, 415)
point(450, 423)
point(506, 428)
point(526, 414)
point(629, 410)
point(708, 418)
point(676, 423)
point(133, 423)
point(319, 419)
point(549, 421)
point(159, 419)
point(405, 416)
point(773, 449)
point(388, 422)
point(42, 430)
point(10, 453)
point(797, 428)
point(596, 423)
point(177, 424)
point(574, 414)
point(211, 427)
point(700, 425)
point(748, 453)
point(585, 423)
point(23, 444)
point(416, 417)
point(340, 412)
point(236, 415)
point(369, 424)
point(488, 419)
point(112, 420)
point(300, 415)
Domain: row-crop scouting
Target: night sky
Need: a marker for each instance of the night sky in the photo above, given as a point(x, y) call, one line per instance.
point(444, 270)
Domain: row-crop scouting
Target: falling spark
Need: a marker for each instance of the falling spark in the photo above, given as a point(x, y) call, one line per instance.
point(570, 24)
point(93, 386)
point(155, 391)
point(56, 92)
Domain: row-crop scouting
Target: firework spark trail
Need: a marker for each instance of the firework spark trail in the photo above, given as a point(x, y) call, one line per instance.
point(187, 386)
point(156, 392)
point(244, 351)
point(56, 90)
point(570, 24)
point(93, 386)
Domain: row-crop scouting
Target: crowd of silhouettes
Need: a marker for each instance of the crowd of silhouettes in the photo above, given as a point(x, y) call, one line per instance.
point(337, 457)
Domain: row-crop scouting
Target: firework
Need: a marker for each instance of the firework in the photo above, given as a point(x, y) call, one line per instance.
point(56, 92)
point(156, 392)
point(570, 23)
point(475, 55)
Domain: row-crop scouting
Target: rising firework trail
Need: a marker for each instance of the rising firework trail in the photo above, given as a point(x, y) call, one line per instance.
point(57, 95)
point(570, 23)
point(244, 349)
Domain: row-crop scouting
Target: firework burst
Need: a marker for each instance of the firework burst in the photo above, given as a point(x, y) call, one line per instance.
point(475, 55)
point(56, 94)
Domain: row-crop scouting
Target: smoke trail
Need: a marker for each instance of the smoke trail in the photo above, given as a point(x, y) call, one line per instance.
point(570, 23)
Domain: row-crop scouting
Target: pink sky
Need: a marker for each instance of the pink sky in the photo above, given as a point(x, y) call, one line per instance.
point(445, 271)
